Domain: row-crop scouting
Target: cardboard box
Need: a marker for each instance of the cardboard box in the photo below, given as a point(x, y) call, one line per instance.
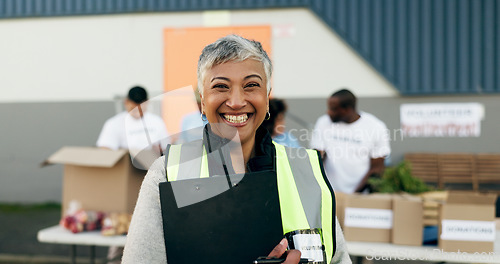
point(408, 223)
point(368, 217)
point(467, 222)
point(100, 179)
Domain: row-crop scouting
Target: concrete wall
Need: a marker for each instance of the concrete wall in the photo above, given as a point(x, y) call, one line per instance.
point(31, 132)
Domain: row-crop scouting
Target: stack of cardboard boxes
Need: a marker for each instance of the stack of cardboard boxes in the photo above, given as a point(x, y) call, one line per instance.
point(466, 220)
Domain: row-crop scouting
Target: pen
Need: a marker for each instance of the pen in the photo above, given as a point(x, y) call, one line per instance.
point(277, 260)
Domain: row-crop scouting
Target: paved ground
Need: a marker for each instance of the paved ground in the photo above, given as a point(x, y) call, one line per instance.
point(18, 230)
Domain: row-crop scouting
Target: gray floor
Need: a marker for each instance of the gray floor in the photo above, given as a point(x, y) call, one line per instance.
point(18, 242)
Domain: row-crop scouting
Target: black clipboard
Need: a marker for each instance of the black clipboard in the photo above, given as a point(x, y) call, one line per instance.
point(205, 221)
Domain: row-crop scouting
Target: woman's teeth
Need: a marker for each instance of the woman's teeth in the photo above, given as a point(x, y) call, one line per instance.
point(236, 118)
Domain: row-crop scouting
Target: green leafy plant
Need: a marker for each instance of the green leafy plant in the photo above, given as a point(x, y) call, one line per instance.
point(399, 179)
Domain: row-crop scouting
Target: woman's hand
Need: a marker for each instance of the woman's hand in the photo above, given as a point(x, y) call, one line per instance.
point(292, 256)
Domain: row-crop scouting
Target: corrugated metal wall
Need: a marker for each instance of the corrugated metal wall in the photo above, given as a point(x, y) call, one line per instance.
point(35, 8)
point(424, 47)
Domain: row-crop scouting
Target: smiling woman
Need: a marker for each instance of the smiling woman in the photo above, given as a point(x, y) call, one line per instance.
point(234, 84)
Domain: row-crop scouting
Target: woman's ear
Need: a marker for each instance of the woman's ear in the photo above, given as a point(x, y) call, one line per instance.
point(267, 103)
point(202, 101)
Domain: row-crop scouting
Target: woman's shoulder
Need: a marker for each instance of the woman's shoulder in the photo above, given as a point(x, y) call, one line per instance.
point(156, 172)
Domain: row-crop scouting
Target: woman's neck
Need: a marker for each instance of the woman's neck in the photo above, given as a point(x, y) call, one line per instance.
point(248, 151)
point(240, 151)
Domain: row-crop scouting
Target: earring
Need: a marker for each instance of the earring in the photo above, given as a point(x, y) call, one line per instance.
point(268, 115)
point(203, 117)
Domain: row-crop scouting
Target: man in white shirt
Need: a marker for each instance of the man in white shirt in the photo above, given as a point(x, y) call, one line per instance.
point(135, 130)
point(354, 145)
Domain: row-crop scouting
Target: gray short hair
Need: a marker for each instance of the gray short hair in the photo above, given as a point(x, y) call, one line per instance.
point(232, 48)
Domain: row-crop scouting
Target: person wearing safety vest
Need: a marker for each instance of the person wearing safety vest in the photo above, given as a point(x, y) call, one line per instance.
point(234, 83)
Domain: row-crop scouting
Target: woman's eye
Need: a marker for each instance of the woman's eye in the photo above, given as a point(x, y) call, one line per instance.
point(220, 86)
point(252, 85)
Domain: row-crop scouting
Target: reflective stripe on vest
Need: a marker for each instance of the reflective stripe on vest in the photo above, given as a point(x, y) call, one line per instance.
point(299, 195)
point(187, 154)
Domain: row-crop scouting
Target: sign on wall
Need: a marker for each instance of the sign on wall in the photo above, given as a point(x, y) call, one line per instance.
point(441, 119)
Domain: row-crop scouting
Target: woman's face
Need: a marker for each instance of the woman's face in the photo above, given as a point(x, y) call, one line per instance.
point(235, 96)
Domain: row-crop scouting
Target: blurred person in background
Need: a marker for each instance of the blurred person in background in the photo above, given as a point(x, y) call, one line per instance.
point(192, 123)
point(354, 144)
point(275, 124)
point(134, 129)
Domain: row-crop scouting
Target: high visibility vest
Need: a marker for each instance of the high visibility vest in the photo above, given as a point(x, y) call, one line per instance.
point(306, 200)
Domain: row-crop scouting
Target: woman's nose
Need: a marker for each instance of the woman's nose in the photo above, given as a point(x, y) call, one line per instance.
point(236, 99)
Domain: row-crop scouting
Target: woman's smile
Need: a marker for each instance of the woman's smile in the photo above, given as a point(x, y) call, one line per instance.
point(236, 119)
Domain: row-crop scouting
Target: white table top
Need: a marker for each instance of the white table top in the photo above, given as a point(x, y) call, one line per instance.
point(387, 251)
point(59, 235)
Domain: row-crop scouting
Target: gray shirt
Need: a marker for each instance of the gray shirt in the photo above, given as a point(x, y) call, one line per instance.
point(145, 242)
